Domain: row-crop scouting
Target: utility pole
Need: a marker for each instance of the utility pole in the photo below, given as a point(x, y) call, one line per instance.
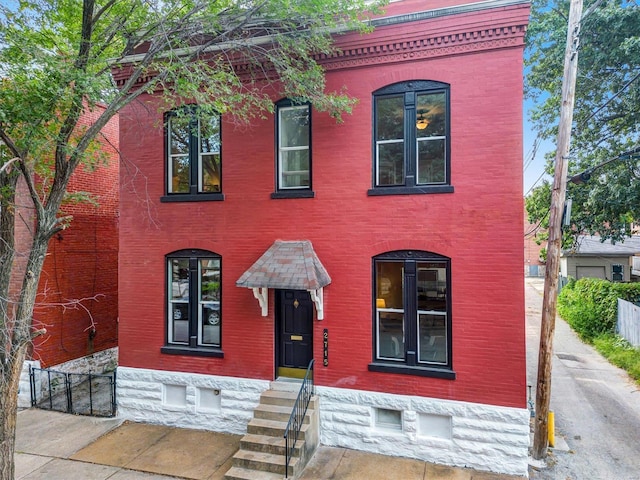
point(547, 327)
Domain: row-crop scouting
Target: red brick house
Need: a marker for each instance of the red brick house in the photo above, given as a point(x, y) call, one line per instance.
point(78, 292)
point(387, 248)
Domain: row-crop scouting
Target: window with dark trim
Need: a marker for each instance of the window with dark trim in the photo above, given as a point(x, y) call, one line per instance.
point(412, 314)
point(411, 139)
point(194, 314)
point(293, 150)
point(194, 155)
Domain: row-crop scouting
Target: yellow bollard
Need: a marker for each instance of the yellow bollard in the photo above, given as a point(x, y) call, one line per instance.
point(551, 427)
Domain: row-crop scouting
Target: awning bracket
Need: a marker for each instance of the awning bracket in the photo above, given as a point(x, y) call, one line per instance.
point(317, 297)
point(261, 293)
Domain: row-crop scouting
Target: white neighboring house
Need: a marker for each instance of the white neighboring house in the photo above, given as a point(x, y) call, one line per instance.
point(592, 257)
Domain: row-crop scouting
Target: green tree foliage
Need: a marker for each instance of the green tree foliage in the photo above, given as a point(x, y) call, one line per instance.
point(590, 305)
point(537, 205)
point(56, 60)
point(606, 115)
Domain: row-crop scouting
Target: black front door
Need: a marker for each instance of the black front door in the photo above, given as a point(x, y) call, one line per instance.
point(294, 323)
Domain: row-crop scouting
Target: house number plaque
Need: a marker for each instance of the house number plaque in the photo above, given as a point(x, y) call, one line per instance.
point(325, 347)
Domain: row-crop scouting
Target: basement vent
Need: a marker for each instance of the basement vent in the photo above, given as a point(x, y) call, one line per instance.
point(175, 395)
point(388, 419)
point(437, 426)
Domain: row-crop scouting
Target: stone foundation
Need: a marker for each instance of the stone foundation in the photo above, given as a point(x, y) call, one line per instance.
point(461, 434)
point(100, 362)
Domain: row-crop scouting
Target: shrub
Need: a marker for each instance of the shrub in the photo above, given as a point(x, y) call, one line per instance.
point(590, 305)
point(619, 352)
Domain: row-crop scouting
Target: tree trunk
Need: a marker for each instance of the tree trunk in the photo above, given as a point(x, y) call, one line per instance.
point(8, 412)
point(21, 338)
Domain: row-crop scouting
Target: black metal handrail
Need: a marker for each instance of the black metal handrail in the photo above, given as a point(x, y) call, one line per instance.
point(296, 420)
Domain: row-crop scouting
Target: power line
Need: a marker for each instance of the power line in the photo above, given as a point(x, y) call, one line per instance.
point(533, 185)
point(530, 157)
point(624, 87)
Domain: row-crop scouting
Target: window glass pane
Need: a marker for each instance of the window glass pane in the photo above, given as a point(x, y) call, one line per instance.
point(431, 109)
point(432, 287)
point(389, 118)
point(210, 324)
point(209, 180)
point(432, 338)
point(295, 168)
point(389, 284)
point(179, 134)
point(210, 279)
point(390, 334)
point(386, 418)
point(180, 174)
point(210, 176)
point(391, 163)
point(390, 309)
point(210, 319)
point(294, 126)
point(179, 279)
point(431, 161)
point(210, 135)
point(179, 300)
point(180, 327)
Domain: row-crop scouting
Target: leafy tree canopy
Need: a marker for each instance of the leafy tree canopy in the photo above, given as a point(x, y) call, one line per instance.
point(57, 59)
point(606, 114)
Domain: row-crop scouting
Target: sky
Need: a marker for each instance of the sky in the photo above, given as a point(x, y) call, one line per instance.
point(534, 167)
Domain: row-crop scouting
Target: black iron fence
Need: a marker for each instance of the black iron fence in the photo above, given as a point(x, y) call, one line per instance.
point(296, 420)
point(78, 393)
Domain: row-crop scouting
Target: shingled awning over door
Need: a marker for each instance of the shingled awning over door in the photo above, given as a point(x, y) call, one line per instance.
point(291, 265)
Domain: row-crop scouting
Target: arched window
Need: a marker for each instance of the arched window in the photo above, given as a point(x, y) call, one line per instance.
point(411, 138)
point(412, 313)
point(194, 296)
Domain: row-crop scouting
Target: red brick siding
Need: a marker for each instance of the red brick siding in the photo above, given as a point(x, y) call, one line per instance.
point(479, 227)
point(82, 263)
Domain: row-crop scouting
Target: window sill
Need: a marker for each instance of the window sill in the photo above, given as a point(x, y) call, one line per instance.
point(426, 189)
point(194, 352)
point(413, 370)
point(188, 197)
point(293, 194)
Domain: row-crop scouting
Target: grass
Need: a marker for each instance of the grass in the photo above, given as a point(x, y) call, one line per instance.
point(620, 353)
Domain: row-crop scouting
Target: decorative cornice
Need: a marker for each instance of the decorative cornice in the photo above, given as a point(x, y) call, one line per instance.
point(418, 41)
point(427, 47)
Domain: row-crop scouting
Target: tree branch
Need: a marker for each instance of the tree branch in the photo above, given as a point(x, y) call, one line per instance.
point(7, 164)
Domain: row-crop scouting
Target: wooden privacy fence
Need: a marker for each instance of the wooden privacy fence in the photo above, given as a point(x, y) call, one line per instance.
point(628, 325)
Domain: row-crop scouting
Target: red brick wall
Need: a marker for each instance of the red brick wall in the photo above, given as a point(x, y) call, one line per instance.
point(82, 263)
point(479, 227)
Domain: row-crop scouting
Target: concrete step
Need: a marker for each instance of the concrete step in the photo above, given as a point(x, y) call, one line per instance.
point(278, 397)
point(288, 385)
point(267, 444)
point(263, 462)
point(276, 412)
point(273, 428)
point(239, 473)
point(283, 398)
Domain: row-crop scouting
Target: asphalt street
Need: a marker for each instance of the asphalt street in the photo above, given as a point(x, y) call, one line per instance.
point(596, 405)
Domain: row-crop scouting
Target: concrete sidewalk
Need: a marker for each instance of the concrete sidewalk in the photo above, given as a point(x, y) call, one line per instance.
point(58, 446)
